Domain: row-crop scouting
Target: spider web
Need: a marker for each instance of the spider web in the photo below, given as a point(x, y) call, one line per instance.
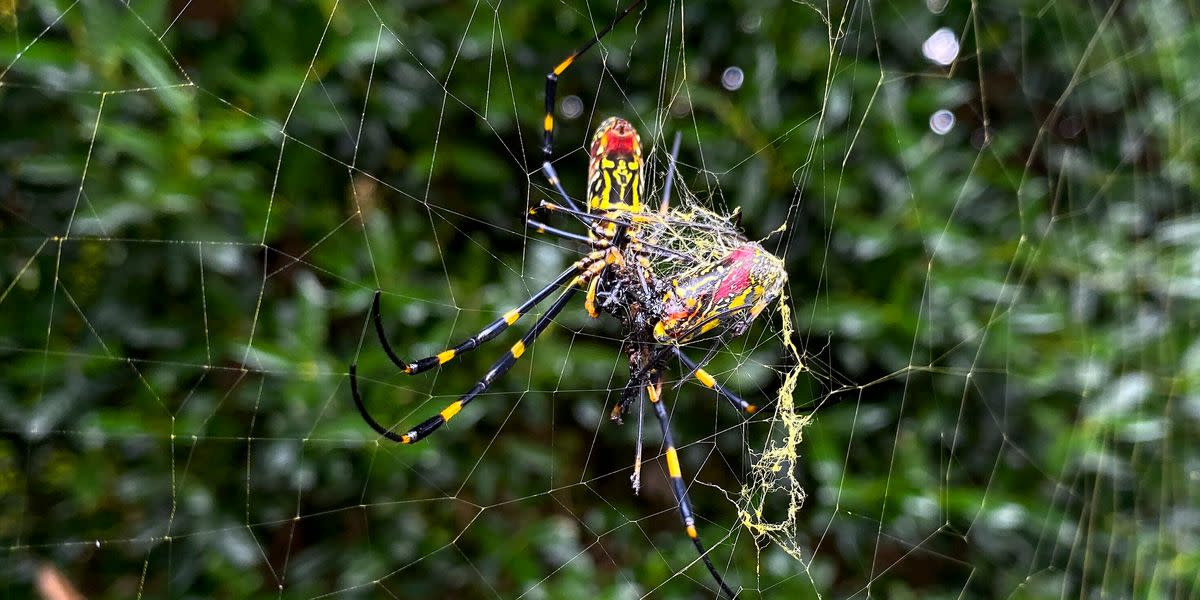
point(979, 383)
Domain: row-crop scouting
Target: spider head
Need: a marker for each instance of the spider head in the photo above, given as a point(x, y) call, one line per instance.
point(615, 170)
point(726, 295)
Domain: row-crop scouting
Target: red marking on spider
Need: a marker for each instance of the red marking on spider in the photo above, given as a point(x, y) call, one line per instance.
point(738, 278)
point(619, 138)
point(618, 143)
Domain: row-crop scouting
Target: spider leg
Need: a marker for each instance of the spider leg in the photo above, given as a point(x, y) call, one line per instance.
point(487, 333)
point(432, 424)
point(611, 256)
point(566, 235)
point(666, 195)
point(552, 87)
point(633, 218)
point(644, 217)
point(651, 249)
point(710, 382)
point(639, 246)
point(552, 207)
point(636, 478)
point(589, 303)
point(676, 474)
point(552, 177)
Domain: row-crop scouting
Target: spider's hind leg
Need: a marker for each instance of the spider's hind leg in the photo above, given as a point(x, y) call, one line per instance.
point(654, 390)
point(710, 382)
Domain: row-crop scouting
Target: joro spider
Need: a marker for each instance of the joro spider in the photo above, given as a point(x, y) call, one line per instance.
point(671, 276)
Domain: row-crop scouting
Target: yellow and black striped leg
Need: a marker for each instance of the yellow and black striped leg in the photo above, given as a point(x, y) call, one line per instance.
point(487, 333)
point(654, 391)
point(709, 382)
point(552, 82)
point(432, 424)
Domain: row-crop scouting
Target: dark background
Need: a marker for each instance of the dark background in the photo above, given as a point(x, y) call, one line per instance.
point(197, 201)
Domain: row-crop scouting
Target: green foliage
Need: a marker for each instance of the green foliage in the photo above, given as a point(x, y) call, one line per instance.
point(998, 322)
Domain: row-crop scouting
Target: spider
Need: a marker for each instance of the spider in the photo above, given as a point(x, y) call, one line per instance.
point(670, 275)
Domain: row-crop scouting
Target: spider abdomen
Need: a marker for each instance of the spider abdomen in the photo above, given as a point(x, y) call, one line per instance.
point(615, 181)
point(725, 294)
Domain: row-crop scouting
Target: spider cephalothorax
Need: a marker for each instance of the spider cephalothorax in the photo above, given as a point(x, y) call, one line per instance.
point(669, 275)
